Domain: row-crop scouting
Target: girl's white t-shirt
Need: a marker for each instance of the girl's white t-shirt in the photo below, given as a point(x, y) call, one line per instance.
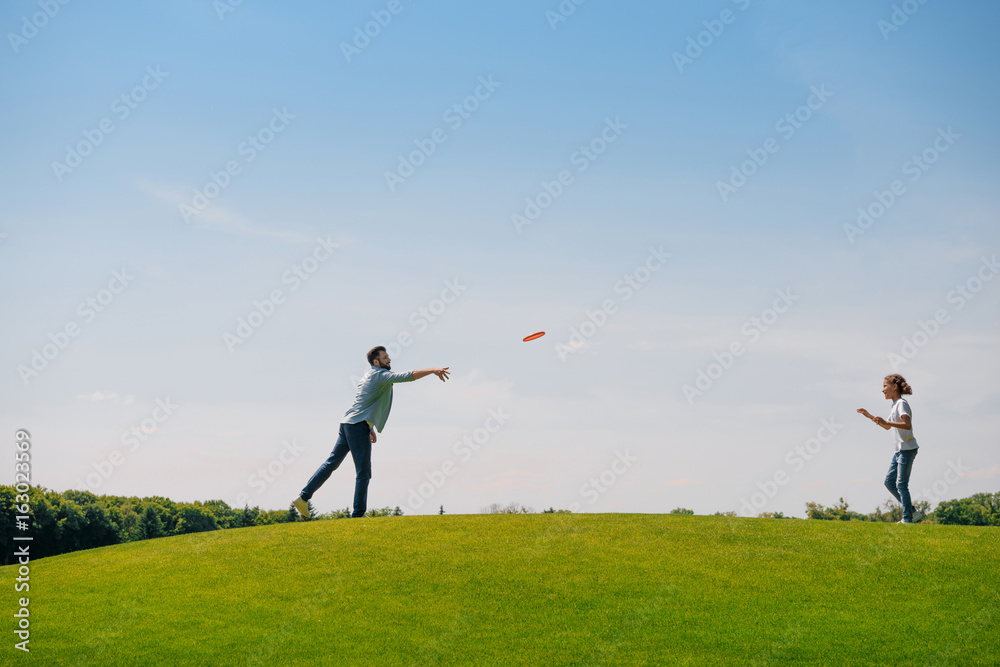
point(902, 439)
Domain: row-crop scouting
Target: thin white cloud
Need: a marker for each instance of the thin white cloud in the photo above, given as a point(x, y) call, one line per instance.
point(112, 396)
point(218, 217)
point(681, 482)
point(817, 484)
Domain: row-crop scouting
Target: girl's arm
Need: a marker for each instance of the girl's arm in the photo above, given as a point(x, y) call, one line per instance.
point(904, 423)
point(872, 417)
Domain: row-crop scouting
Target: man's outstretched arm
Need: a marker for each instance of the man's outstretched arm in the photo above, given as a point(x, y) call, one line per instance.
point(440, 372)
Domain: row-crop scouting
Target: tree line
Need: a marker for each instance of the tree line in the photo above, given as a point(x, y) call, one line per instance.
point(980, 509)
point(73, 520)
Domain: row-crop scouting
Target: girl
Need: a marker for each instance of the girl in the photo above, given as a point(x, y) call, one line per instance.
point(894, 387)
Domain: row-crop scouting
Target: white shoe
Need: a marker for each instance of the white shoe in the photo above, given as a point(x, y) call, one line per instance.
point(901, 521)
point(302, 506)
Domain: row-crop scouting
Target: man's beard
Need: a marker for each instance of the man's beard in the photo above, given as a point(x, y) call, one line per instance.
point(387, 366)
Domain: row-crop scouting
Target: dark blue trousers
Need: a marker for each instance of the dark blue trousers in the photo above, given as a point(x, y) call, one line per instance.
point(354, 438)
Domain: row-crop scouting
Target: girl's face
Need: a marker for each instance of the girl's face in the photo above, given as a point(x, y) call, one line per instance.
point(890, 391)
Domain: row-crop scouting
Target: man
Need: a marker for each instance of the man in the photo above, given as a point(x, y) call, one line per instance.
point(357, 428)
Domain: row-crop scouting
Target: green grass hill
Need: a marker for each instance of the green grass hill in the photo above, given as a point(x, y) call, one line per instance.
point(539, 589)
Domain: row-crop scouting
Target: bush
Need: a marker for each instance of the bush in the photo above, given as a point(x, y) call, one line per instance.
point(981, 509)
point(511, 508)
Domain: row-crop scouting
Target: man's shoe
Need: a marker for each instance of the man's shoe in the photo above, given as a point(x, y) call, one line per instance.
point(302, 506)
point(901, 521)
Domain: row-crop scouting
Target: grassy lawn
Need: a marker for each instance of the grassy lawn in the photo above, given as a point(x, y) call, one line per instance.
point(543, 589)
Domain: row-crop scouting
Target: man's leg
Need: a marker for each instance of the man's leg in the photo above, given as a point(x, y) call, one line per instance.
point(903, 481)
point(336, 457)
point(892, 476)
point(361, 451)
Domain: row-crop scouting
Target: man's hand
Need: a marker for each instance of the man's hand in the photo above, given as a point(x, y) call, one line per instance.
point(372, 433)
point(440, 372)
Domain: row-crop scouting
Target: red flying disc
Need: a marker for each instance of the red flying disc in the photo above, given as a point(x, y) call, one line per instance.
point(534, 336)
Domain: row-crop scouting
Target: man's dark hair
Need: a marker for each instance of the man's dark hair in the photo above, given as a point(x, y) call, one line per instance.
point(373, 354)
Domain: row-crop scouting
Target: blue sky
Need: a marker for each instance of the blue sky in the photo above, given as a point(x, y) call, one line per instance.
point(617, 392)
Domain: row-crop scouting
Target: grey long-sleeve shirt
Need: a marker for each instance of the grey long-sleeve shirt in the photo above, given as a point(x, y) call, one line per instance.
point(374, 397)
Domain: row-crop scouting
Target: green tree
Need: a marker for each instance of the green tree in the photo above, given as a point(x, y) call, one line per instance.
point(248, 517)
point(8, 527)
point(681, 510)
point(101, 529)
point(45, 523)
point(166, 509)
point(193, 518)
point(72, 526)
point(816, 511)
point(980, 509)
point(384, 511)
point(922, 512)
point(150, 525)
point(128, 525)
point(225, 516)
point(841, 512)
